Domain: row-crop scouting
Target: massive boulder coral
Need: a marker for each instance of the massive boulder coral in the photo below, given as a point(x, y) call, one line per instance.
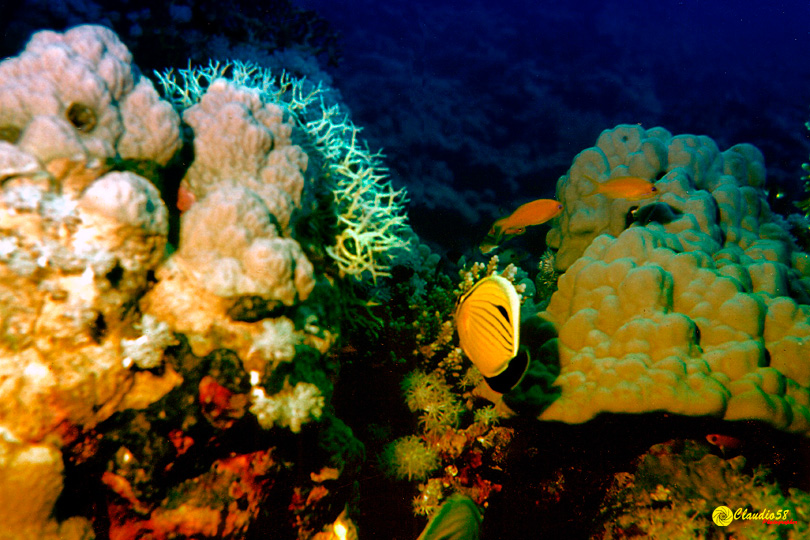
point(34, 470)
point(229, 240)
point(72, 269)
point(236, 247)
point(77, 95)
point(76, 253)
point(694, 303)
point(90, 302)
point(232, 264)
point(241, 139)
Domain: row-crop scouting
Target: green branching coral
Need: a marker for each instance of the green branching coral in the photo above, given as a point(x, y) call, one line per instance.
point(370, 213)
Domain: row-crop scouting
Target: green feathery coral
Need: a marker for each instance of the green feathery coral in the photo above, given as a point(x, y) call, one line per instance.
point(370, 213)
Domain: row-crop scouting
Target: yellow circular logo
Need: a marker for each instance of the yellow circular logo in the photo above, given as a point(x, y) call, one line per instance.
point(722, 516)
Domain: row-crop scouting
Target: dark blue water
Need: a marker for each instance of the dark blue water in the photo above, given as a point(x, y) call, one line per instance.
point(481, 105)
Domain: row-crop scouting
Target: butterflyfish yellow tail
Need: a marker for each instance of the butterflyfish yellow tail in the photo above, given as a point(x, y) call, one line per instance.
point(488, 323)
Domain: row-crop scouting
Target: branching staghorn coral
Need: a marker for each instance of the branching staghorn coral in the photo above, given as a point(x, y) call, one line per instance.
point(370, 213)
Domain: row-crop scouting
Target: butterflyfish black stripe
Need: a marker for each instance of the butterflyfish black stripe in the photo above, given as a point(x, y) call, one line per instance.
point(500, 329)
point(492, 332)
point(485, 313)
point(491, 307)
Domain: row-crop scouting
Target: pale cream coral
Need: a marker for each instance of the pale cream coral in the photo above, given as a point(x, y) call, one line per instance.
point(30, 483)
point(77, 95)
point(72, 265)
point(291, 407)
point(241, 139)
point(204, 318)
point(36, 472)
point(14, 162)
point(230, 242)
point(146, 351)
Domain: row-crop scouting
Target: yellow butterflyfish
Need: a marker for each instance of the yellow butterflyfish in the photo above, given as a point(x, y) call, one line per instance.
point(488, 323)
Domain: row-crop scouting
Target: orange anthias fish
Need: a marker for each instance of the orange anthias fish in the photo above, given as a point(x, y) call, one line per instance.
point(527, 215)
point(631, 188)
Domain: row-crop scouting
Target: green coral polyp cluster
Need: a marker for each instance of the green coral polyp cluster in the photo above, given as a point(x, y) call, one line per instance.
point(369, 212)
point(410, 458)
point(429, 395)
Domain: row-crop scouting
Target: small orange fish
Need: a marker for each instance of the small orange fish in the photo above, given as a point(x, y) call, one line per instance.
point(724, 442)
point(526, 215)
point(631, 188)
point(185, 198)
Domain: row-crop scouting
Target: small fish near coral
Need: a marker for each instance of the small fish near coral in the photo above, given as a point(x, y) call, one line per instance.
point(724, 442)
point(631, 188)
point(488, 322)
point(527, 215)
point(656, 212)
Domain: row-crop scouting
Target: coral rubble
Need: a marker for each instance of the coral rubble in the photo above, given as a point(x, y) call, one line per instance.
point(678, 485)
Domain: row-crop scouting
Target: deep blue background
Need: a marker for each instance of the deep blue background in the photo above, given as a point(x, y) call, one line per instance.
point(481, 105)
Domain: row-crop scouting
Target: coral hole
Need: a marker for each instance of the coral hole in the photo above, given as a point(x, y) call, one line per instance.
point(82, 117)
point(10, 134)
